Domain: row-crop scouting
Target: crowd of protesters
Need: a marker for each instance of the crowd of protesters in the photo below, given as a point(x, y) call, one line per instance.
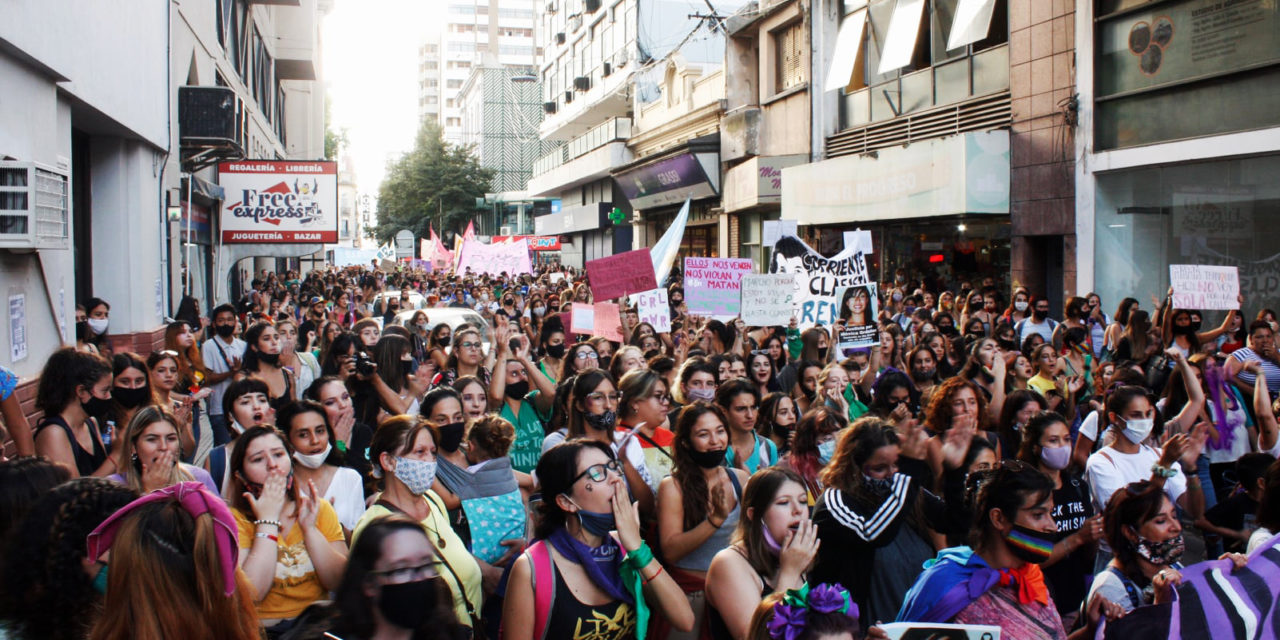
point(368, 453)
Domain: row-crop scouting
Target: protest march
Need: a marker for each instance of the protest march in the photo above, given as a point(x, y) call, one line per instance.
point(472, 444)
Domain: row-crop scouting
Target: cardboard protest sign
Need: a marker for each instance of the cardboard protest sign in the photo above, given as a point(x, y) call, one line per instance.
point(858, 308)
point(820, 277)
point(1204, 287)
point(582, 318)
point(712, 286)
point(495, 259)
point(608, 321)
point(620, 274)
point(769, 299)
point(858, 240)
point(654, 309)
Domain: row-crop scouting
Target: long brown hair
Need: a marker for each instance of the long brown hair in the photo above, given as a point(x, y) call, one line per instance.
point(694, 495)
point(189, 360)
point(162, 554)
point(855, 447)
point(757, 497)
point(143, 418)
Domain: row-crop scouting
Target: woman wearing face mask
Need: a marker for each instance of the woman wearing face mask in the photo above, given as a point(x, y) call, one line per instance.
point(1019, 309)
point(699, 505)
point(590, 557)
point(345, 433)
point(83, 334)
point(1145, 534)
point(807, 388)
point(306, 427)
point(812, 447)
point(437, 345)
point(52, 589)
point(998, 581)
point(291, 544)
point(875, 522)
point(521, 396)
point(777, 421)
point(262, 361)
point(130, 389)
point(97, 319)
point(393, 587)
point(1046, 445)
point(74, 387)
point(924, 371)
point(153, 455)
point(697, 384)
point(593, 414)
point(551, 364)
point(1131, 414)
point(771, 551)
point(298, 360)
point(1182, 329)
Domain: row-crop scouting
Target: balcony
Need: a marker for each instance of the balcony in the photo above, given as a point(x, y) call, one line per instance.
point(588, 156)
point(296, 48)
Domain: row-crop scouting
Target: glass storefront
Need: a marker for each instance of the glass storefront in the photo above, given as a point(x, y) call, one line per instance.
point(1213, 213)
point(944, 250)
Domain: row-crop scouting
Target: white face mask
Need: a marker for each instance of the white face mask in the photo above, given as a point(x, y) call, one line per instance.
point(1020, 305)
point(314, 460)
point(98, 325)
point(1138, 429)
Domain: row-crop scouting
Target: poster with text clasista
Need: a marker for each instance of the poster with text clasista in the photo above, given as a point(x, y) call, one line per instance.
point(819, 278)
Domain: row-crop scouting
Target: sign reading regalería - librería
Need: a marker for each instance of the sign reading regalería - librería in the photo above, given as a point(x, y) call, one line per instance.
point(279, 202)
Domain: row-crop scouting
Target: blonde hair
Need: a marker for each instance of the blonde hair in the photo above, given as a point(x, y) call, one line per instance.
point(143, 418)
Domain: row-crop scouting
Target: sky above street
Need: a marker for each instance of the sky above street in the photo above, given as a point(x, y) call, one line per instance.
point(370, 50)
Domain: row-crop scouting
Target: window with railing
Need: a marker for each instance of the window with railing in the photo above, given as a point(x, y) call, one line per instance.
point(612, 130)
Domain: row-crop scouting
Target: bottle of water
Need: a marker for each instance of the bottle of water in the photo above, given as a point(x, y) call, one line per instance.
point(108, 434)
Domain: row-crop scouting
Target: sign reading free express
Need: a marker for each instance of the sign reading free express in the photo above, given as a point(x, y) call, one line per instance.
point(279, 202)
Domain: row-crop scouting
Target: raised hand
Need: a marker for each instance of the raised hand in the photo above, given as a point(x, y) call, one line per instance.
point(270, 503)
point(308, 505)
point(1195, 444)
point(799, 549)
point(626, 518)
point(157, 473)
point(955, 446)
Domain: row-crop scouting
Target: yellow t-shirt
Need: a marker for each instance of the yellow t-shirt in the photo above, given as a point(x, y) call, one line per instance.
point(1042, 384)
point(450, 547)
point(295, 585)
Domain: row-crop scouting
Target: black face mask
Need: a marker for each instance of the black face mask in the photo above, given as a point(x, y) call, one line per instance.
point(920, 374)
point(1007, 345)
point(555, 351)
point(1195, 326)
point(517, 390)
point(1039, 315)
point(707, 459)
point(224, 330)
point(822, 353)
point(131, 398)
point(405, 605)
point(451, 436)
point(272, 359)
point(652, 353)
point(82, 330)
point(96, 406)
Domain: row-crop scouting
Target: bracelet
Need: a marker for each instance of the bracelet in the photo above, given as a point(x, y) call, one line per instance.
point(1163, 472)
point(268, 536)
point(714, 524)
point(272, 522)
point(1190, 472)
point(653, 577)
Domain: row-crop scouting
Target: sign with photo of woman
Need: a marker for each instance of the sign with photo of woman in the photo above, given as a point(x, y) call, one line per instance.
point(858, 308)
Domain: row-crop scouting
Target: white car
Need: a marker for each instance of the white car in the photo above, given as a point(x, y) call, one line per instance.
point(416, 300)
point(452, 317)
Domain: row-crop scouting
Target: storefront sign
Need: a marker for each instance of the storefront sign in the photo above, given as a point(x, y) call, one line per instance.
point(666, 182)
point(279, 202)
point(536, 243)
point(818, 278)
point(757, 181)
point(654, 309)
point(712, 286)
point(964, 174)
point(494, 259)
point(196, 219)
point(621, 274)
point(769, 299)
point(1204, 287)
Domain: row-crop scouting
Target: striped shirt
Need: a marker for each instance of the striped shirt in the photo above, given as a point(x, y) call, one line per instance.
point(1270, 369)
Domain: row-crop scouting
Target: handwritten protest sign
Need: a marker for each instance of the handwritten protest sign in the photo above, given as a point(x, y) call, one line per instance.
point(769, 299)
point(582, 318)
point(820, 277)
point(1204, 287)
point(494, 259)
point(608, 322)
point(858, 310)
point(620, 274)
point(654, 309)
point(712, 286)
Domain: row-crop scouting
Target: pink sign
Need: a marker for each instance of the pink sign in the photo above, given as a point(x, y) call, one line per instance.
point(621, 274)
point(495, 259)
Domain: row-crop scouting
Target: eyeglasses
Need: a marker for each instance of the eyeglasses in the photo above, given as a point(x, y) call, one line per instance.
point(587, 355)
point(598, 472)
point(664, 398)
point(469, 345)
point(407, 574)
point(600, 397)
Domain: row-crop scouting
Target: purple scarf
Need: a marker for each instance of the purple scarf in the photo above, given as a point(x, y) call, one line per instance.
point(1217, 387)
point(601, 563)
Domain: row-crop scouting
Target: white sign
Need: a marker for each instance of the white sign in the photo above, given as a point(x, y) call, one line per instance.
point(583, 319)
point(279, 202)
point(769, 299)
point(898, 630)
point(820, 277)
point(17, 327)
point(859, 240)
point(653, 308)
point(1204, 287)
point(774, 229)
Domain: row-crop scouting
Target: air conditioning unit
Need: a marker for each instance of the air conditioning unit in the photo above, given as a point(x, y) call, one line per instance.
point(593, 6)
point(575, 23)
point(34, 206)
point(560, 38)
point(211, 116)
point(549, 107)
point(608, 70)
point(568, 97)
point(582, 83)
point(504, 231)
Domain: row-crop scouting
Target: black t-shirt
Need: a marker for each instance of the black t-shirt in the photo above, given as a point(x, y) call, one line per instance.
point(1234, 513)
point(1067, 579)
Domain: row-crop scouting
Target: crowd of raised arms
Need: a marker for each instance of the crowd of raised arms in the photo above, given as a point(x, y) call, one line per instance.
point(363, 453)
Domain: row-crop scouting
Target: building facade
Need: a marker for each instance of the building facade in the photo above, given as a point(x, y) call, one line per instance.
point(1178, 144)
point(501, 110)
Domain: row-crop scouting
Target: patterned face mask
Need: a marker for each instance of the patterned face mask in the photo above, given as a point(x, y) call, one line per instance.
point(417, 475)
point(1160, 553)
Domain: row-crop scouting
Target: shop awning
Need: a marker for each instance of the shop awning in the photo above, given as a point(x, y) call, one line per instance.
point(691, 173)
point(964, 174)
point(972, 22)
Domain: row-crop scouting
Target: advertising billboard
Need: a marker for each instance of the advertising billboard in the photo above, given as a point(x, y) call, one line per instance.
point(279, 202)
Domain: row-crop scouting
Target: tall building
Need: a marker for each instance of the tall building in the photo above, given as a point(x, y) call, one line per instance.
point(474, 33)
point(501, 110)
point(429, 80)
